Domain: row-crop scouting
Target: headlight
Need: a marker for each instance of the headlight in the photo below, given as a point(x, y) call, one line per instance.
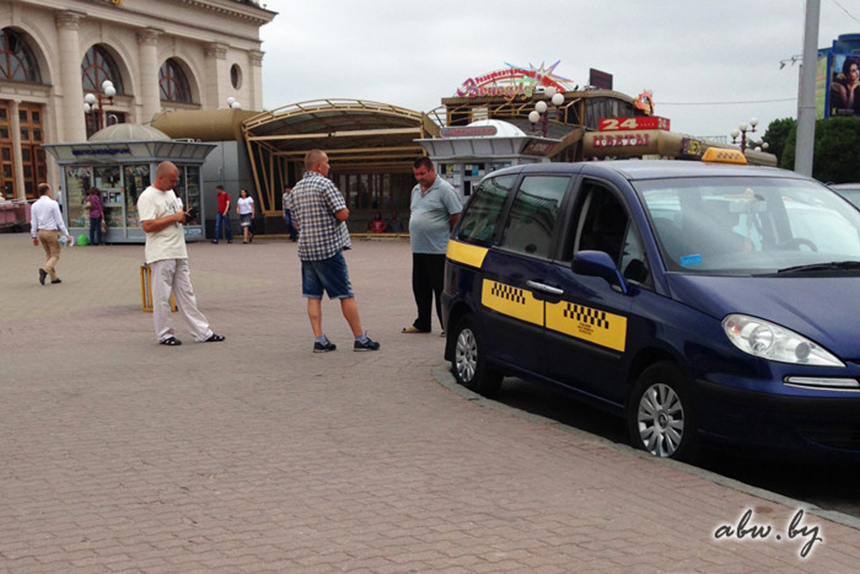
point(770, 341)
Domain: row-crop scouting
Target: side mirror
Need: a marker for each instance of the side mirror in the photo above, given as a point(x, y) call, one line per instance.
point(599, 264)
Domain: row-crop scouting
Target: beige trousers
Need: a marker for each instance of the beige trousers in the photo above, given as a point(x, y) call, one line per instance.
point(50, 241)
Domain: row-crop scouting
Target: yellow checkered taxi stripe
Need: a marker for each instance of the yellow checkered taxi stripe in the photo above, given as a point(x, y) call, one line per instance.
point(592, 325)
point(470, 255)
point(512, 301)
point(585, 323)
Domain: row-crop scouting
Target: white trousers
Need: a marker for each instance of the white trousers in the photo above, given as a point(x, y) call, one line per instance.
point(173, 275)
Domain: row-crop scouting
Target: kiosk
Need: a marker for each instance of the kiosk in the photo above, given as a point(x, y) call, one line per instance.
point(464, 155)
point(120, 162)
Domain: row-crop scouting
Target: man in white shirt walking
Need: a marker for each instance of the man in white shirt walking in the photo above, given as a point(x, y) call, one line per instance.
point(46, 223)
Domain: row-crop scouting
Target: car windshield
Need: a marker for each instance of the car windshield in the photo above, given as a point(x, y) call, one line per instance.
point(748, 225)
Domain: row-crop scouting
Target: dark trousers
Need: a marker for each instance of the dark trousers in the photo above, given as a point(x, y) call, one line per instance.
point(288, 219)
point(225, 219)
point(428, 279)
point(96, 231)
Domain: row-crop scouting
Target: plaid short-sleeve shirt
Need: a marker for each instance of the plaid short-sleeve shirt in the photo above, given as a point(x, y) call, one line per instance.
point(314, 201)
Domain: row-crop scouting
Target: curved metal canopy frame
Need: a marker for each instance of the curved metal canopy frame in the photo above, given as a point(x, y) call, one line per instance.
point(359, 137)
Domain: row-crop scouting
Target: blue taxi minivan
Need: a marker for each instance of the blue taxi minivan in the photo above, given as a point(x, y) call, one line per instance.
point(701, 301)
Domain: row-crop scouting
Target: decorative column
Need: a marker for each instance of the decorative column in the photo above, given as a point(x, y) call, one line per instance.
point(217, 76)
point(17, 156)
point(255, 79)
point(150, 95)
point(72, 124)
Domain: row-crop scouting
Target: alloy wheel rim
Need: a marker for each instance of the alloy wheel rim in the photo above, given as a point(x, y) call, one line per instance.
point(660, 420)
point(466, 355)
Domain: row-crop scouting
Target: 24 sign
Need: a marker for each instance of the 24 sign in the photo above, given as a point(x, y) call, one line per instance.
point(626, 124)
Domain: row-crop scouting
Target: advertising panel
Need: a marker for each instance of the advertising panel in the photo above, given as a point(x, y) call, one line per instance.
point(600, 80)
point(821, 85)
point(844, 85)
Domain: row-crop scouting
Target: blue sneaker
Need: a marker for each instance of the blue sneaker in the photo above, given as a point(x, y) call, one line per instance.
point(368, 345)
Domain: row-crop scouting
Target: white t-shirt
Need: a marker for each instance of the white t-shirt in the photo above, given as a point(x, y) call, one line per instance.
point(169, 243)
point(244, 204)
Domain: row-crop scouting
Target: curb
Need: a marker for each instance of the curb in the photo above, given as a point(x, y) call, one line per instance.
point(443, 376)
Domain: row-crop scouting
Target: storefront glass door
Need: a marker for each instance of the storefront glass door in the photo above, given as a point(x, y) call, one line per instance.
point(136, 179)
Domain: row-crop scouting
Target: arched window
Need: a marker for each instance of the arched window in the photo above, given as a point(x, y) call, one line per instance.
point(173, 83)
point(16, 59)
point(98, 66)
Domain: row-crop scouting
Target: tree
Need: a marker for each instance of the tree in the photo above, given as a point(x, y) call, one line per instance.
point(776, 136)
point(836, 152)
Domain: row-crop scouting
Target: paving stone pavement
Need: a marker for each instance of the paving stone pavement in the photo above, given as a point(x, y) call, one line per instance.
point(256, 455)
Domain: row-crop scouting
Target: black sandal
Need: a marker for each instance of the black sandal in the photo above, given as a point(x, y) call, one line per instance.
point(213, 338)
point(171, 342)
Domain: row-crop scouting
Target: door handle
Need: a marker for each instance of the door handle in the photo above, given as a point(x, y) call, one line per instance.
point(543, 288)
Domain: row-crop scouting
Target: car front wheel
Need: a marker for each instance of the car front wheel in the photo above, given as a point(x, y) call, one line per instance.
point(659, 414)
point(469, 363)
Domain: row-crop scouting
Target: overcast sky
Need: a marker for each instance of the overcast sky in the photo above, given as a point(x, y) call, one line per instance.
point(710, 64)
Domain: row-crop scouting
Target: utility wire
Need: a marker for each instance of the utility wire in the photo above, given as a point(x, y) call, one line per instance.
point(850, 15)
point(726, 103)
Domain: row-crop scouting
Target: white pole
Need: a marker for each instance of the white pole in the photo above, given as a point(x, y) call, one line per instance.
point(806, 105)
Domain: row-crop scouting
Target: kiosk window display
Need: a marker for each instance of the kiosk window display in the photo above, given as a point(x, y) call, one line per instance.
point(121, 170)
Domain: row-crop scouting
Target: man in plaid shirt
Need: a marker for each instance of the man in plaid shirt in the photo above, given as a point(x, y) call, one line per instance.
point(320, 213)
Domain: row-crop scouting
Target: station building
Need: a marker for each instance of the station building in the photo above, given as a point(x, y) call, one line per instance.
point(159, 55)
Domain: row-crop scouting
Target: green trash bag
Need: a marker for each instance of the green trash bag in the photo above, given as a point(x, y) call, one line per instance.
point(83, 240)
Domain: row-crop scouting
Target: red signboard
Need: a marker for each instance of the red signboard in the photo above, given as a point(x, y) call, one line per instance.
point(627, 124)
point(469, 132)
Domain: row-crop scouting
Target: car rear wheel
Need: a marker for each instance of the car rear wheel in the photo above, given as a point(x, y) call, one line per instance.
point(659, 414)
point(468, 360)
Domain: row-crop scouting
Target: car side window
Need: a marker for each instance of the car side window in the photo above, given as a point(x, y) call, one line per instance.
point(532, 221)
point(604, 225)
point(478, 223)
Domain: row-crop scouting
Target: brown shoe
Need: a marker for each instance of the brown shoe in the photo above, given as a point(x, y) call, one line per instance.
point(412, 329)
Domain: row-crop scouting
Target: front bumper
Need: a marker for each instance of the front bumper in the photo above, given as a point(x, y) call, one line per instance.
point(814, 425)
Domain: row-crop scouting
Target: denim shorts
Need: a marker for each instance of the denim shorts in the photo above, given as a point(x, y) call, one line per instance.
point(330, 275)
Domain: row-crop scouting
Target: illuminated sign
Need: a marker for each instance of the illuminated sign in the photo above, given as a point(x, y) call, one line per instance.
point(622, 124)
point(102, 151)
point(622, 140)
point(469, 132)
point(692, 148)
point(600, 80)
point(537, 147)
point(645, 102)
point(513, 82)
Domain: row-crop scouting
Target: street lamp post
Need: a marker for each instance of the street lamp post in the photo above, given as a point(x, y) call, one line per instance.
point(742, 131)
point(95, 103)
point(234, 103)
point(540, 114)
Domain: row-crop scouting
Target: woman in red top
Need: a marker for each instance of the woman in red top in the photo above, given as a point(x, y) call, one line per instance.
point(97, 213)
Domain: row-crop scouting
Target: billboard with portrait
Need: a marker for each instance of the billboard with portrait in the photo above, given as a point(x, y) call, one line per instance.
point(844, 85)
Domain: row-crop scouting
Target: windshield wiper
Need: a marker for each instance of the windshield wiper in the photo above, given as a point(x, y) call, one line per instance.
point(832, 266)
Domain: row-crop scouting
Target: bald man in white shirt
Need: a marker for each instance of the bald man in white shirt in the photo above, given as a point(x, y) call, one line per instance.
point(46, 223)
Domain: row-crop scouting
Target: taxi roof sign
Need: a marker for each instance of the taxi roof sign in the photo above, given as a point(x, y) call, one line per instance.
point(720, 155)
